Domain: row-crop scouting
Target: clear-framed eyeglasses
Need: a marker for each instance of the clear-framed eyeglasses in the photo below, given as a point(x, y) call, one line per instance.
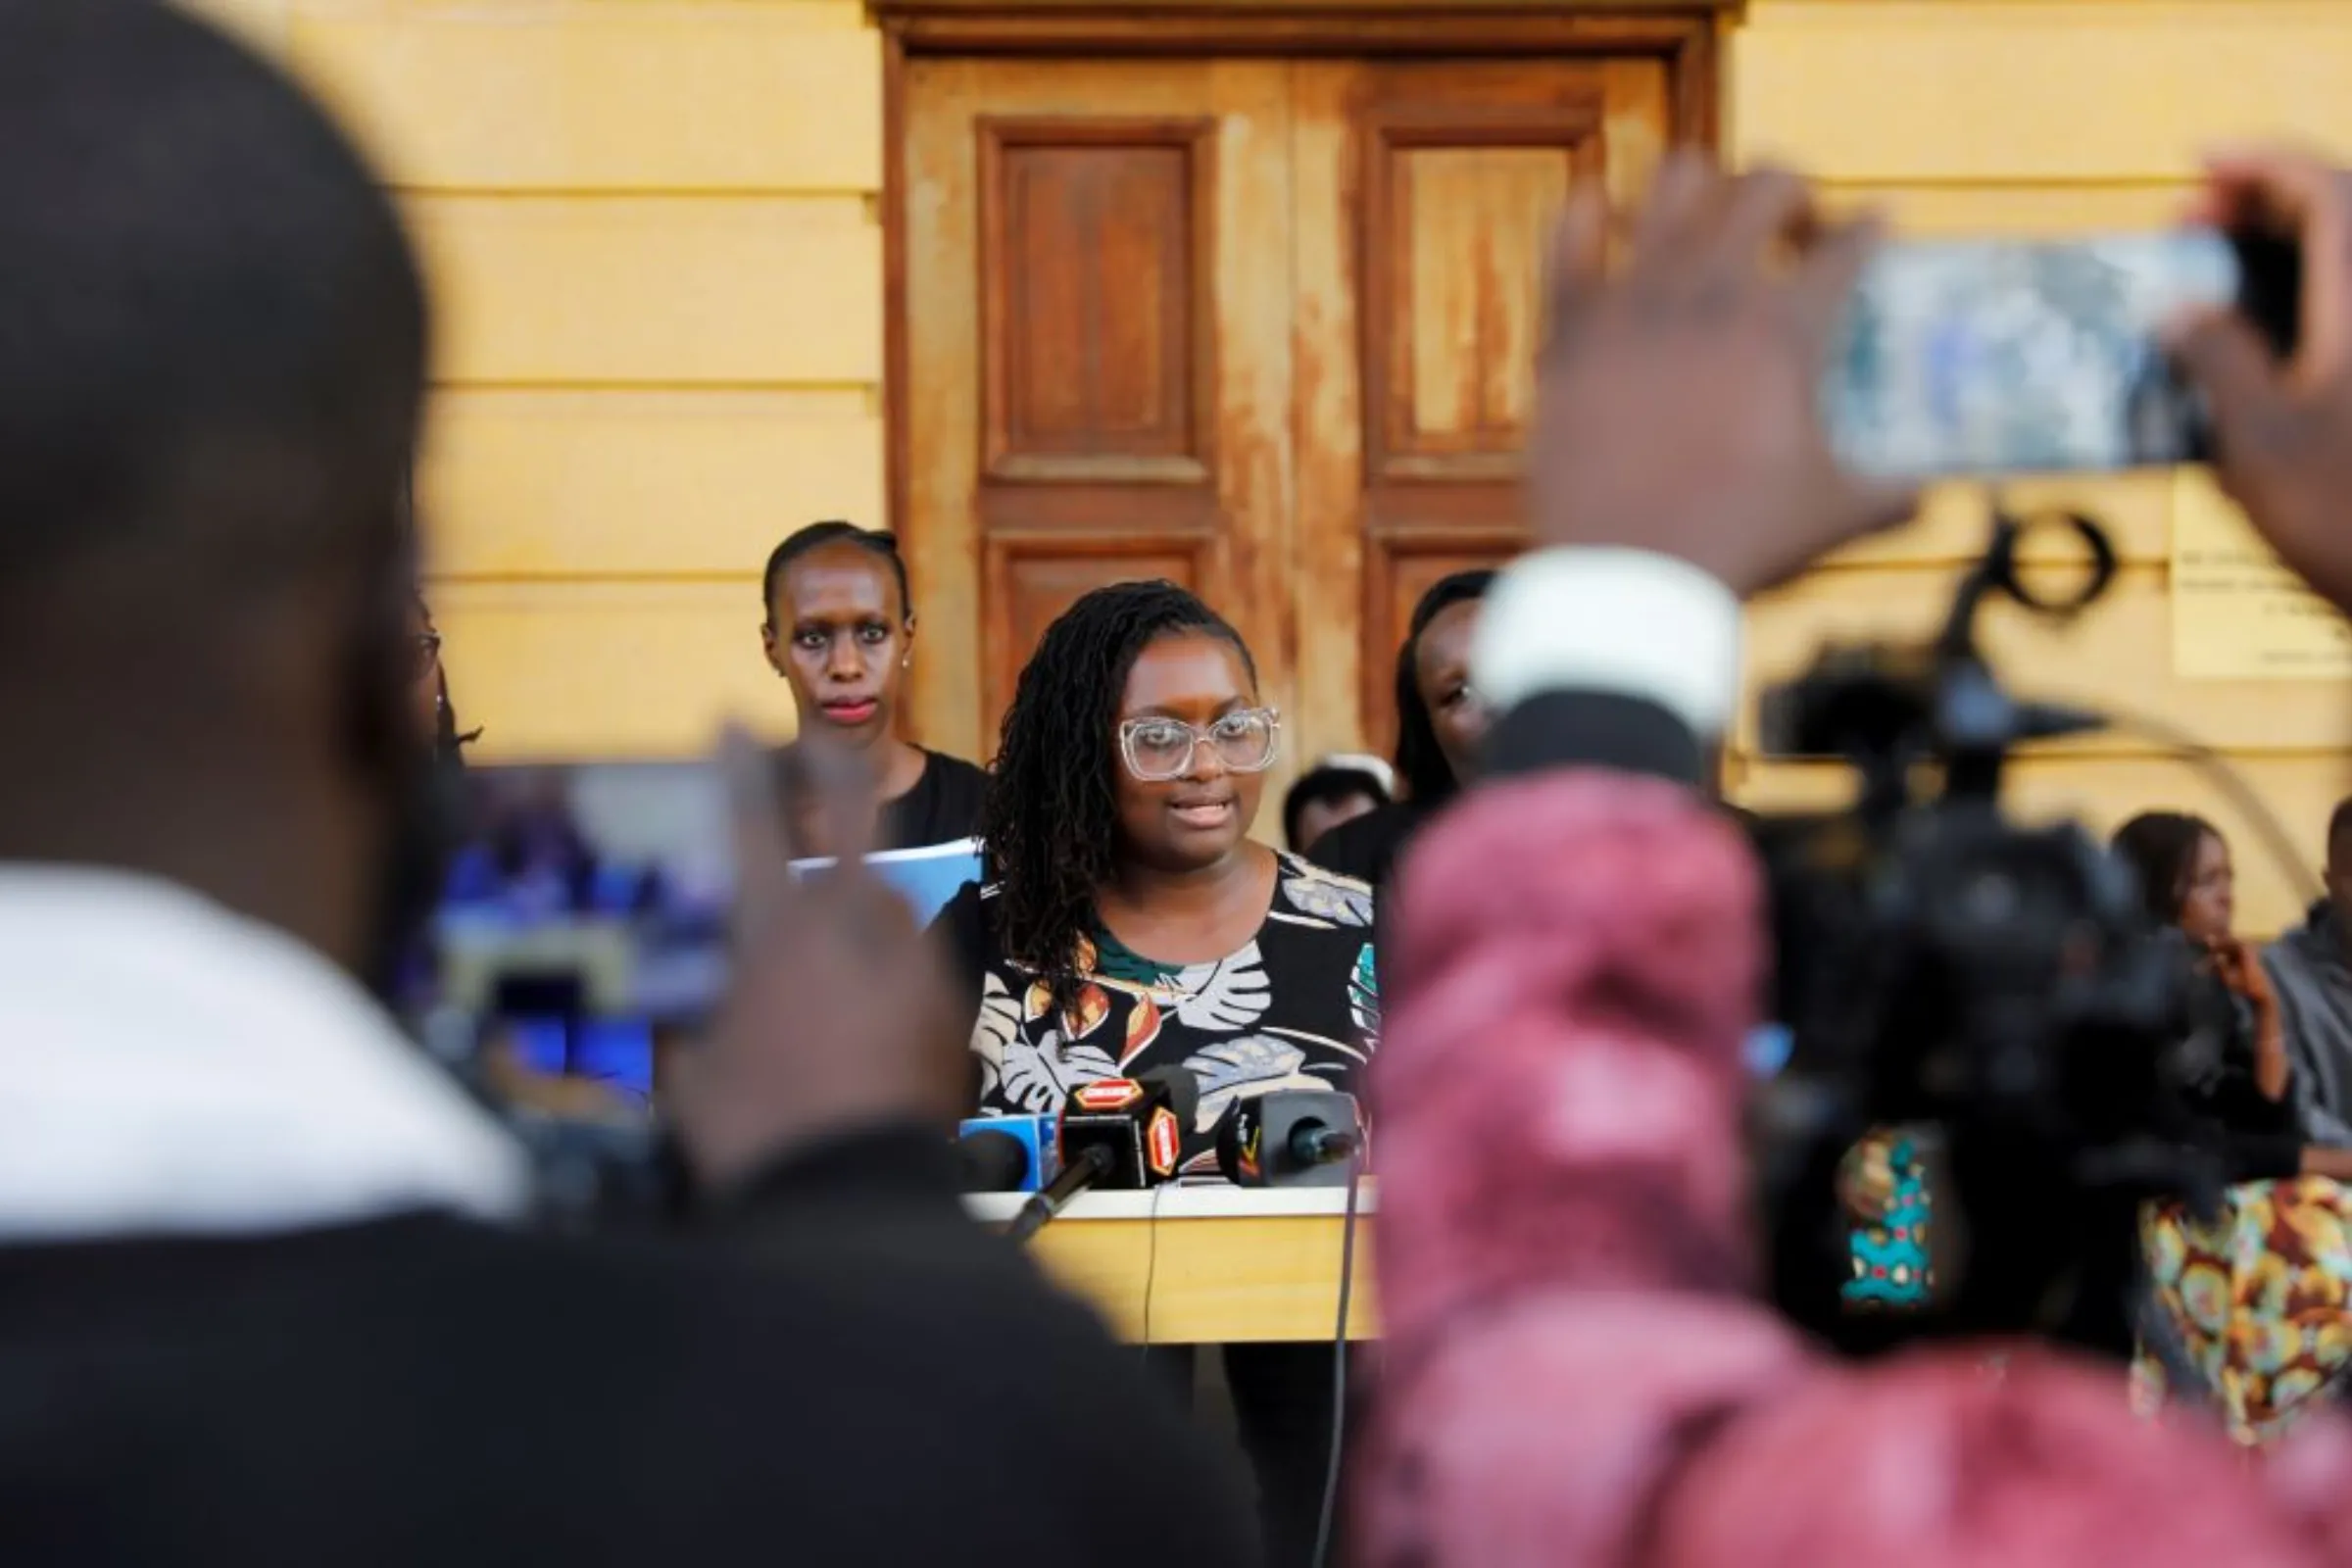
point(1157, 750)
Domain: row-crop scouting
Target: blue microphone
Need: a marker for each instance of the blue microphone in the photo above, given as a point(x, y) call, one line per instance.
point(1007, 1154)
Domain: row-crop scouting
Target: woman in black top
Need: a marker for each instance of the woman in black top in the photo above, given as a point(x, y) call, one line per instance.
point(1128, 922)
point(1440, 722)
point(2259, 1295)
point(2241, 1088)
point(840, 627)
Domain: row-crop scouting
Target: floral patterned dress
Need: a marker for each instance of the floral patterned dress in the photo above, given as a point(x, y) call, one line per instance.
point(2261, 1298)
point(1885, 1187)
point(1296, 1006)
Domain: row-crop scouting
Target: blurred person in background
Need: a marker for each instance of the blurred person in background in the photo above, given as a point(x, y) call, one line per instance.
point(840, 629)
point(1127, 921)
point(2189, 885)
point(430, 690)
point(1576, 1372)
point(262, 1300)
point(2261, 1295)
point(2310, 971)
point(408, 971)
point(1325, 796)
point(1439, 723)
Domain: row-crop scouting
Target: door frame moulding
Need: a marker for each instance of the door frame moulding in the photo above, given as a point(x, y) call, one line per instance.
point(1685, 35)
point(1294, 26)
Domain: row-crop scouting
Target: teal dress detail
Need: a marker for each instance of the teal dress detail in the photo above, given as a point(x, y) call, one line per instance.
point(1890, 1264)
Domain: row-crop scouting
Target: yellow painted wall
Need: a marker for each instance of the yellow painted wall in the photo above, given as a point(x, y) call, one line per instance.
point(652, 226)
point(652, 234)
point(2056, 117)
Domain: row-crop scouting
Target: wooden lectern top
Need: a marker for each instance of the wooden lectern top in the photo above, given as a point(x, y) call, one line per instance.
point(1207, 1265)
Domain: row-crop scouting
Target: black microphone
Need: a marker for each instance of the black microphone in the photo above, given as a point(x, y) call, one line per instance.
point(992, 1162)
point(1290, 1138)
point(1118, 1134)
point(1078, 1173)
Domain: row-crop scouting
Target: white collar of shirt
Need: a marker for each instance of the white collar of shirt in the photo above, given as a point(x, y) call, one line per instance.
point(168, 1067)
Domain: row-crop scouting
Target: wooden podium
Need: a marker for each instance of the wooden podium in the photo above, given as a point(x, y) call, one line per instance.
point(1207, 1265)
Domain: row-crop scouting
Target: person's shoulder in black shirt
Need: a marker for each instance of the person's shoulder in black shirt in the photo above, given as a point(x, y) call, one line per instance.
point(943, 807)
point(964, 930)
point(1366, 847)
point(424, 1389)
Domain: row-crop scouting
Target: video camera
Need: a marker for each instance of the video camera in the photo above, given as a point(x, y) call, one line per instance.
point(1995, 989)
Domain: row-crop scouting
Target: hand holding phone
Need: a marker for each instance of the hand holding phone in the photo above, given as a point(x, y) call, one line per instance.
point(1974, 358)
point(841, 1015)
point(2282, 419)
point(1675, 408)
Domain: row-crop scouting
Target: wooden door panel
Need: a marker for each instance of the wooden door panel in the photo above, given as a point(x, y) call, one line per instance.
point(1425, 195)
point(1102, 379)
point(1028, 582)
point(1094, 285)
point(1454, 213)
point(1264, 327)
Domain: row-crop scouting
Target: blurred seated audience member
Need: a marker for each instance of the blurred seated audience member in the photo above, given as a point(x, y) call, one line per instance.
point(262, 1300)
point(2261, 1294)
point(1440, 722)
point(2189, 884)
point(1561, 1088)
point(1324, 796)
point(2311, 974)
point(840, 628)
point(1128, 921)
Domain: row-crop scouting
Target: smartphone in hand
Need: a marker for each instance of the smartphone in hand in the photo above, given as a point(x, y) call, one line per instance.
point(1982, 358)
point(587, 915)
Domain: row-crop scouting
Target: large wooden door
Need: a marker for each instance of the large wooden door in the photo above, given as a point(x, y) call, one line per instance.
point(1099, 356)
point(1423, 194)
point(1261, 326)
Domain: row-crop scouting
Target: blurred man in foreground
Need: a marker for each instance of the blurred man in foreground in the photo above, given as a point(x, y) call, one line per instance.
point(258, 1303)
point(1576, 959)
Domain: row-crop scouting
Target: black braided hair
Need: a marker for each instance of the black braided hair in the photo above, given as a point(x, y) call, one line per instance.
point(1050, 816)
point(1423, 776)
point(874, 541)
point(1326, 784)
point(2161, 848)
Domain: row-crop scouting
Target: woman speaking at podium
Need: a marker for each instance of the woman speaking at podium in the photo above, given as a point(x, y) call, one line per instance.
point(1127, 922)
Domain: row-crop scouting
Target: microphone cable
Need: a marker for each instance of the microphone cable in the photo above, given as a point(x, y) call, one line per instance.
point(1152, 1265)
point(1339, 1359)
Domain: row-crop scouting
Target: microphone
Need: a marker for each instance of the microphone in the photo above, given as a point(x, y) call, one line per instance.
point(1005, 1154)
point(1290, 1138)
point(1119, 1134)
